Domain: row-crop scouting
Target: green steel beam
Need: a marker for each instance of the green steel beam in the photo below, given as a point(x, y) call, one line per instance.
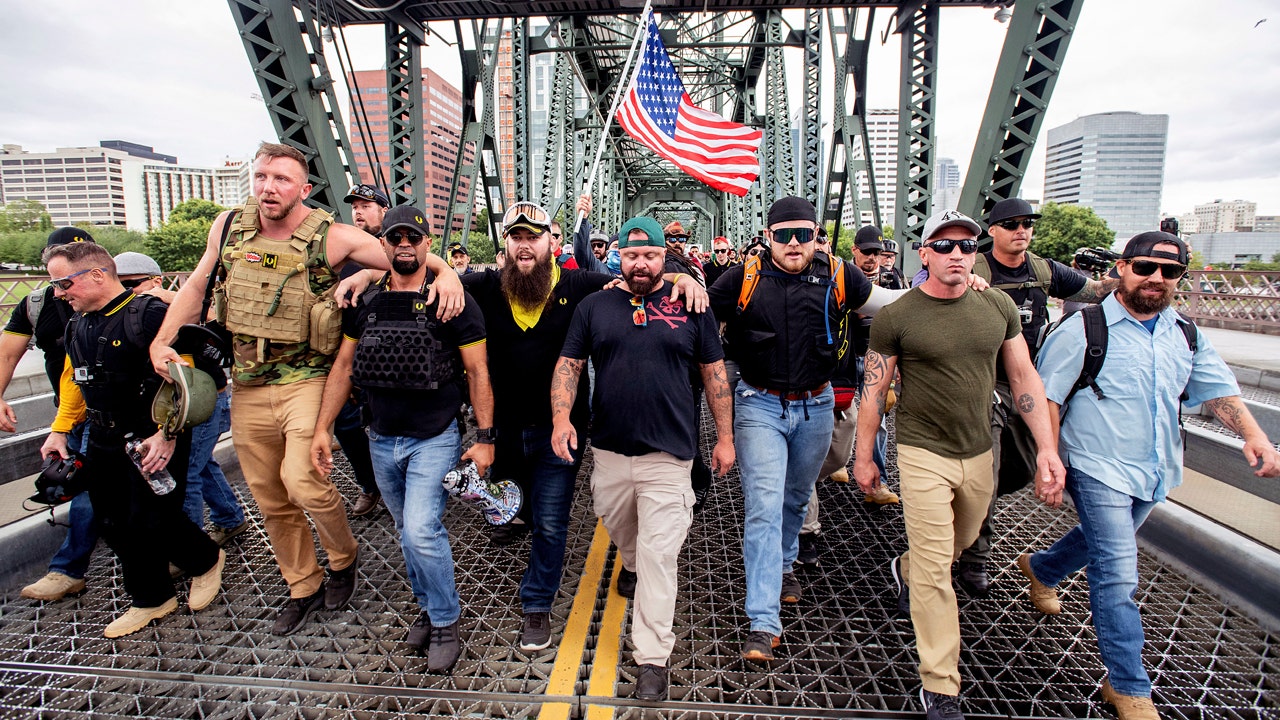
point(558, 119)
point(520, 107)
point(811, 130)
point(284, 49)
point(916, 126)
point(482, 170)
point(782, 162)
point(404, 116)
point(1035, 47)
point(849, 157)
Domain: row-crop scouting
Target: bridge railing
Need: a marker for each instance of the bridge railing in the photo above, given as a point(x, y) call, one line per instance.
point(14, 288)
point(1247, 300)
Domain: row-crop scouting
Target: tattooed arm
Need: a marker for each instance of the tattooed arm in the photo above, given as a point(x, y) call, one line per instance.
point(1028, 397)
point(1095, 290)
point(564, 392)
point(1258, 450)
point(876, 381)
point(720, 400)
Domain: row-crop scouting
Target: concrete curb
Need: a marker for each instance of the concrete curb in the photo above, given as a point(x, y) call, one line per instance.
point(1234, 568)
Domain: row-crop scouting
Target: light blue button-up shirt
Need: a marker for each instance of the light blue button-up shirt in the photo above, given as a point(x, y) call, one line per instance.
point(1130, 440)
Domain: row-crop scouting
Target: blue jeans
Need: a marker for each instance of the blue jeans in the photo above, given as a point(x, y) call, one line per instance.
point(72, 558)
point(525, 455)
point(409, 471)
point(205, 481)
point(1106, 542)
point(780, 451)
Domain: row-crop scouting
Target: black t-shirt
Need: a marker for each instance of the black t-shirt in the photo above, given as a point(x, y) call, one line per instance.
point(643, 401)
point(123, 383)
point(50, 328)
point(1064, 282)
point(407, 412)
point(521, 361)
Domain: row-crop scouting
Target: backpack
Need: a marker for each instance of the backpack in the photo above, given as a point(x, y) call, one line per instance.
point(1095, 348)
point(131, 316)
point(754, 268)
point(1041, 274)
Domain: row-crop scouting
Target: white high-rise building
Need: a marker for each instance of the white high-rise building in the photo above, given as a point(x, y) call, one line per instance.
point(1224, 217)
point(231, 183)
point(882, 135)
point(166, 186)
point(1112, 162)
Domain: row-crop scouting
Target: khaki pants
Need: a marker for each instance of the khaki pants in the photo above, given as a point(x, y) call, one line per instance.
point(646, 504)
point(837, 457)
point(272, 426)
point(944, 502)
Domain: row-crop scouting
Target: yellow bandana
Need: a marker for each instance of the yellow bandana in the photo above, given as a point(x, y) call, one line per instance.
point(528, 317)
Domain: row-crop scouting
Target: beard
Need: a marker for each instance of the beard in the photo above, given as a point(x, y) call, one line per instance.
point(405, 267)
point(530, 289)
point(1137, 302)
point(282, 213)
point(640, 282)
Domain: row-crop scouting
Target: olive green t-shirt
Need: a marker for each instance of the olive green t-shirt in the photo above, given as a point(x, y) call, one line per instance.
point(946, 351)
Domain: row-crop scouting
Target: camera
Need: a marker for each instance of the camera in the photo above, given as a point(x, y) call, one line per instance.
point(1095, 259)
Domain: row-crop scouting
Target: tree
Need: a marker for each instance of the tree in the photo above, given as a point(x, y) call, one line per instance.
point(1063, 229)
point(22, 214)
point(178, 244)
point(196, 209)
point(887, 231)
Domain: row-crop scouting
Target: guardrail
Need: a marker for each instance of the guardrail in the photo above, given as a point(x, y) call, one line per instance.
point(1247, 300)
point(14, 288)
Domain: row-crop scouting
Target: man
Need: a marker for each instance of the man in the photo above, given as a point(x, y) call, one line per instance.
point(846, 378)
point(719, 260)
point(1123, 451)
point(599, 245)
point(641, 432)
point(205, 479)
point(944, 340)
point(460, 258)
point(368, 207)
point(107, 343)
point(280, 365)
point(1030, 281)
point(41, 319)
point(783, 327)
point(890, 276)
point(527, 307)
point(415, 386)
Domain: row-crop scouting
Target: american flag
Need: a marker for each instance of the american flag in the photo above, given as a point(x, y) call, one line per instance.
point(660, 114)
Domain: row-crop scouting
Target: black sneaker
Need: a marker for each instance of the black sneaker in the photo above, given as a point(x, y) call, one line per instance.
point(808, 555)
point(941, 707)
point(651, 683)
point(295, 612)
point(904, 600)
point(417, 637)
point(340, 586)
point(972, 578)
point(536, 633)
point(443, 648)
point(790, 588)
point(509, 534)
point(627, 584)
point(759, 646)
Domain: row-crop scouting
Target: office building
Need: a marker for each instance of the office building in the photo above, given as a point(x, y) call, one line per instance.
point(1225, 217)
point(882, 135)
point(1266, 223)
point(946, 184)
point(1112, 162)
point(441, 134)
point(232, 183)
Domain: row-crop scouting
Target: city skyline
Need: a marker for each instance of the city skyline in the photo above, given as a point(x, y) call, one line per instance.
point(126, 71)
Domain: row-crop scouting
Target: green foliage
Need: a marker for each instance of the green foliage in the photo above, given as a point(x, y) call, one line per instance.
point(26, 247)
point(1272, 266)
point(887, 231)
point(1063, 229)
point(178, 244)
point(23, 214)
point(478, 247)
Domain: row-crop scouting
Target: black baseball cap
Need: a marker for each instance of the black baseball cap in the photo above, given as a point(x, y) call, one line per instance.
point(68, 235)
point(368, 192)
point(1143, 245)
point(1011, 208)
point(405, 216)
point(457, 247)
point(869, 237)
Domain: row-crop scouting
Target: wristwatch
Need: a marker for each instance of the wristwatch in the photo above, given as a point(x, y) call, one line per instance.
point(486, 435)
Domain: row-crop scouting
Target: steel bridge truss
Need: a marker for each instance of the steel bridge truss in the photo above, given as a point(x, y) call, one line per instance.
point(740, 63)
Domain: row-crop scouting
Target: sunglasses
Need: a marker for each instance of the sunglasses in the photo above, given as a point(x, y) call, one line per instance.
point(64, 283)
point(131, 284)
point(944, 247)
point(1169, 271)
point(721, 251)
point(1012, 225)
point(597, 244)
point(414, 239)
point(639, 317)
point(803, 236)
point(868, 253)
point(678, 238)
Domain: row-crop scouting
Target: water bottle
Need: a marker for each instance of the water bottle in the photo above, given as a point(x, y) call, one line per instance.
point(161, 482)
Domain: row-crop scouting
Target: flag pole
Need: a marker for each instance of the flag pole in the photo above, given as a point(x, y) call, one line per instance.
point(623, 84)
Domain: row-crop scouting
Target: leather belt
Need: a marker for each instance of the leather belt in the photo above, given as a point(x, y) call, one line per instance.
point(799, 394)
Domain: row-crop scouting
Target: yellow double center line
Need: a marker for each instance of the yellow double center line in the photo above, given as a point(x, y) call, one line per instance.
point(573, 644)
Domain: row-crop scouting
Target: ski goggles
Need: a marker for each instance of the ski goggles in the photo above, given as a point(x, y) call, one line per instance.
point(526, 215)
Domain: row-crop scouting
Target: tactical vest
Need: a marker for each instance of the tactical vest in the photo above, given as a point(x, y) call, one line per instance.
point(267, 291)
point(399, 348)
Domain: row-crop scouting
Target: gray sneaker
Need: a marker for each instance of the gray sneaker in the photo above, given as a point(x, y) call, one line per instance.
point(536, 633)
point(443, 648)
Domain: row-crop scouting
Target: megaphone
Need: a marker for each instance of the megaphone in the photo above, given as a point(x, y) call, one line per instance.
point(499, 500)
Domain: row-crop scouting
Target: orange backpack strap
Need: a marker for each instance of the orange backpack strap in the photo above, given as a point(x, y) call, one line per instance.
point(837, 274)
point(750, 278)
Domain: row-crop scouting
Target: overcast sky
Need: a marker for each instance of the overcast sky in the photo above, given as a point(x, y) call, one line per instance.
point(174, 75)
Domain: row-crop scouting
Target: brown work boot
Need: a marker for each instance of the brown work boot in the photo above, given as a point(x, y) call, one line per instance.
point(1129, 707)
point(1043, 597)
point(53, 586)
point(365, 504)
point(882, 495)
point(138, 618)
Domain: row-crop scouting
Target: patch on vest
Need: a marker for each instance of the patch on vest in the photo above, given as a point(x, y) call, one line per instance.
point(270, 260)
point(252, 257)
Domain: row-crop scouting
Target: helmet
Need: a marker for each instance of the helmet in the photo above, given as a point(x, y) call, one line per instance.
point(186, 402)
point(890, 247)
point(58, 481)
